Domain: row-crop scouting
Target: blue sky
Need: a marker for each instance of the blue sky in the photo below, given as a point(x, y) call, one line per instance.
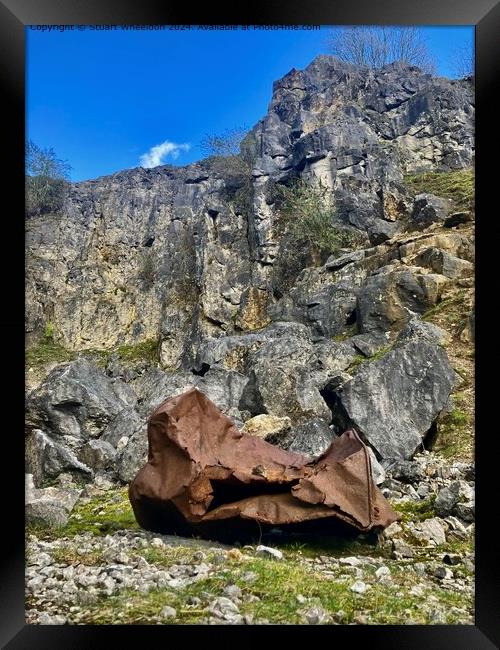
point(104, 99)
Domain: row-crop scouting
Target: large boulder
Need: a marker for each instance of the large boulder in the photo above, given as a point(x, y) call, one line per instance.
point(49, 506)
point(76, 402)
point(394, 401)
point(282, 383)
point(394, 294)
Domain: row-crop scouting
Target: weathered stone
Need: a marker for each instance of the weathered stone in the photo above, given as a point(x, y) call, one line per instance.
point(50, 506)
point(393, 402)
point(310, 438)
point(430, 530)
point(265, 425)
point(450, 496)
point(267, 551)
point(406, 471)
point(391, 297)
point(427, 209)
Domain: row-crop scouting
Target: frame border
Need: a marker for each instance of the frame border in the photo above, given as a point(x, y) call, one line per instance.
point(485, 15)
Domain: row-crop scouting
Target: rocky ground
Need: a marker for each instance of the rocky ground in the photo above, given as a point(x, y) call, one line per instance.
point(100, 568)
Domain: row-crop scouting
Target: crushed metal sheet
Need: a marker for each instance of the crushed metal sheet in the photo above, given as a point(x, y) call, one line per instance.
point(203, 472)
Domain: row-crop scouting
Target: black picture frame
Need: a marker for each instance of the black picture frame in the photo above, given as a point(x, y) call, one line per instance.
point(485, 15)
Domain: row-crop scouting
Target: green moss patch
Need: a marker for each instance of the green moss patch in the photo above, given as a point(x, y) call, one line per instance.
point(456, 185)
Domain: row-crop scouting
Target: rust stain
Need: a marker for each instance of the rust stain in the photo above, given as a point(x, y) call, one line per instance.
point(202, 470)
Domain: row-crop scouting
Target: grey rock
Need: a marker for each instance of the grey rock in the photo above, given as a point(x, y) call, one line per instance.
point(393, 402)
point(443, 573)
point(232, 591)
point(267, 551)
point(465, 511)
point(168, 612)
point(428, 209)
point(448, 498)
point(416, 329)
point(430, 530)
point(391, 297)
point(51, 506)
point(48, 458)
point(378, 472)
point(406, 471)
point(359, 587)
point(316, 616)
point(443, 263)
point(457, 219)
point(311, 438)
point(400, 549)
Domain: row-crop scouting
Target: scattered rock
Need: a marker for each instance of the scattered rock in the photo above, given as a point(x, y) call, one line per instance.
point(359, 587)
point(168, 612)
point(267, 551)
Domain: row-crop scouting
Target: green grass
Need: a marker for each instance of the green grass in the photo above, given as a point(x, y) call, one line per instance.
point(415, 510)
point(453, 432)
point(101, 515)
point(47, 351)
point(277, 585)
point(360, 359)
point(145, 350)
point(456, 185)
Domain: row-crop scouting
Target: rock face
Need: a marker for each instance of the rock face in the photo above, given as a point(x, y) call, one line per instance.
point(191, 261)
point(392, 402)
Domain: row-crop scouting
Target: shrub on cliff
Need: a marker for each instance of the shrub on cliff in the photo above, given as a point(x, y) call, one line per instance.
point(307, 214)
point(46, 180)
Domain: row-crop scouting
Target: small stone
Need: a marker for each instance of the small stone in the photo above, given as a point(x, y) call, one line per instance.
point(465, 511)
point(267, 551)
point(302, 600)
point(350, 561)
point(430, 530)
point(443, 573)
point(168, 612)
point(359, 587)
point(199, 556)
point(437, 617)
point(316, 616)
point(400, 549)
point(47, 619)
point(392, 531)
point(156, 542)
point(232, 591)
point(452, 559)
point(194, 601)
point(382, 572)
point(249, 576)
point(235, 554)
point(122, 443)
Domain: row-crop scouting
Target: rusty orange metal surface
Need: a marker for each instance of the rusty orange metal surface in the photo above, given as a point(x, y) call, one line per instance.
point(203, 473)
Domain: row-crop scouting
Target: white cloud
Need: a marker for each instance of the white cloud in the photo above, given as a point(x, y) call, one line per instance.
point(157, 154)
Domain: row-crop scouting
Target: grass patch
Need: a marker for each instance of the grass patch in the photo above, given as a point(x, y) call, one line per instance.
point(415, 510)
point(360, 359)
point(145, 351)
point(99, 515)
point(350, 331)
point(277, 585)
point(47, 351)
point(453, 433)
point(456, 185)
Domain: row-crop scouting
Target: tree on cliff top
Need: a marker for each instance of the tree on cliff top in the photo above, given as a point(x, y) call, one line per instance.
point(377, 46)
point(46, 180)
point(223, 144)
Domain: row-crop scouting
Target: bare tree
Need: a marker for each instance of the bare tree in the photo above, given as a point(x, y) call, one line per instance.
point(224, 144)
point(46, 179)
point(377, 46)
point(462, 62)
